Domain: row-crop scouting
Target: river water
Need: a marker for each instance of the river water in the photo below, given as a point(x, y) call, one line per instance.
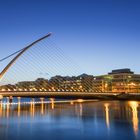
point(70, 120)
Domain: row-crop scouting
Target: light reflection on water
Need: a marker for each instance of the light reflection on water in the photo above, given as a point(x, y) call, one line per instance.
point(107, 114)
point(107, 120)
point(135, 120)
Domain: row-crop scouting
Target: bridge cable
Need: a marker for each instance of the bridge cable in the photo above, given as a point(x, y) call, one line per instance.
point(12, 54)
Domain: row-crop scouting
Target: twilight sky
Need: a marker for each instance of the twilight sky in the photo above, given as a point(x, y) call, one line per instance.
point(99, 35)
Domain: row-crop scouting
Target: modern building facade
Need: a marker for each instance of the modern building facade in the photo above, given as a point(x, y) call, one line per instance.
point(120, 80)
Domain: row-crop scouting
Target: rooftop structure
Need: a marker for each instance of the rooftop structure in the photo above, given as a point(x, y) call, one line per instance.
point(118, 71)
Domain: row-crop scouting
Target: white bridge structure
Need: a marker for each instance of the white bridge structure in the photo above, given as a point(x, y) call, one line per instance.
point(53, 94)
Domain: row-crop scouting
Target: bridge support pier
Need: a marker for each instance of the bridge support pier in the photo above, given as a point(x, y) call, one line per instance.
point(11, 99)
point(42, 100)
point(32, 100)
point(52, 103)
point(7, 99)
point(1, 97)
point(42, 105)
point(18, 99)
point(1, 102)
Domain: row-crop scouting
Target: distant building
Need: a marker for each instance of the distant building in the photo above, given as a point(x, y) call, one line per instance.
point(81, 83)
point(39, 84)
point(120, 80)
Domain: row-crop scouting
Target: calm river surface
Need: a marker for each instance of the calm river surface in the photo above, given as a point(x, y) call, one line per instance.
point(72, 120)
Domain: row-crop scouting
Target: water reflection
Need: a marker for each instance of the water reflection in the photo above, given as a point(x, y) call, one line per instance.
point(107, 115)
point(81, 109)
point(18, 106)
point(0, 108)
point(66, 115)
point(8, 107)
point(52, 103)
point(135, 120)
point(32, 109)
point(42, 108)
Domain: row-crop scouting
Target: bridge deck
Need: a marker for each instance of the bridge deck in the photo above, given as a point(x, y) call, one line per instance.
point(71, 95)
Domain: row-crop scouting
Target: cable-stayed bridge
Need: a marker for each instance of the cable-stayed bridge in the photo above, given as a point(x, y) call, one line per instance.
point(21, 77)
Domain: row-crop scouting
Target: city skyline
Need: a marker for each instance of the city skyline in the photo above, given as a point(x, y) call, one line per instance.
point(97, 35)
point(116, 81)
